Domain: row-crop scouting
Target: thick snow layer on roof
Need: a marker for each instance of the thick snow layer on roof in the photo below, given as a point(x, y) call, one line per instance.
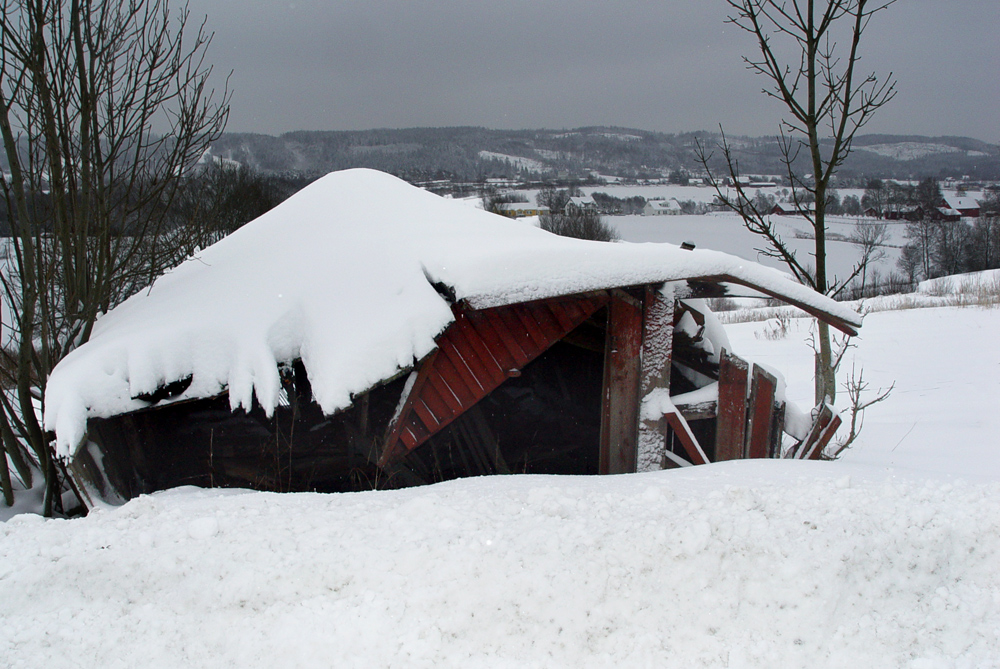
point(342, 276)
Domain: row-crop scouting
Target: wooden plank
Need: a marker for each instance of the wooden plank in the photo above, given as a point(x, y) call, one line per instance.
point(761, 408)
point(474, 350)
point(530, 326)
point(408, 438)
point(730, 433)
point(489, 327)
point(824, 438)
point(457, 366)
point(620, 395)
point(657, 340)
point(560, 310)
point(777, 429)
point(690, 443)
point(825, 316)
point(824, 426)
point(475, 355)
point(440, 387)
point(698, 410)
point(426, 415)
point(542, 314)
point(391, 446)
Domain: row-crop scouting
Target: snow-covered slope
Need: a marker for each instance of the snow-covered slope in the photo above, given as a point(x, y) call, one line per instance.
point(747, 564)
point(884, 559)
point(344, 275)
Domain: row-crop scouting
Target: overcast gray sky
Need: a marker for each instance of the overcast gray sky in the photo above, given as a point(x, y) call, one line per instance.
point(668, 65)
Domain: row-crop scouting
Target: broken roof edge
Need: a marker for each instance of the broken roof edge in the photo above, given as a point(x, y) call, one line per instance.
point(765, 280)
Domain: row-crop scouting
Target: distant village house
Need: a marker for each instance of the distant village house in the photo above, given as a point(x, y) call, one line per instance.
point(669, 207)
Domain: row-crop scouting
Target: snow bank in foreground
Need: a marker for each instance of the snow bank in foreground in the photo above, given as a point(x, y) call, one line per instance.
point(745, 564)
point(344, 275)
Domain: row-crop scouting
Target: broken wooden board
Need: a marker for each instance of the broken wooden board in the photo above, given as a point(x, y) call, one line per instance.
point(730, 436)
point(760, 411)
point(824, 426)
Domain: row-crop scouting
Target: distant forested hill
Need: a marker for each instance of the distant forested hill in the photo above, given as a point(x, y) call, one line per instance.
point(473, 154)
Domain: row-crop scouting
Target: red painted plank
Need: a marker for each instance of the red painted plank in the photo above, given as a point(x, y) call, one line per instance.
point(390, 449)
point(761, 408)
point(511, 335)
point(427, 417)
point(687, 439)
point(820, 434)
point(457, 376)
point(824, 438)
point(471, 345)
point(531, 326)
point(516, 329)
point(542, 316)
point(560, 310)
point(438, 387)
point(730, 432)
point(488, 326)
point(417, 426)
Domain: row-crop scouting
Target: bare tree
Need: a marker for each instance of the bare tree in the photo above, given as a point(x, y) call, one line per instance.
point(580, 224)
point(870, 238)
point(105, 107)
point(826, 101)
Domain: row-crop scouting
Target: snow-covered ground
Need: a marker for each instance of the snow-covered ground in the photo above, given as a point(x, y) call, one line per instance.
point(887, 558)
point(726, 232)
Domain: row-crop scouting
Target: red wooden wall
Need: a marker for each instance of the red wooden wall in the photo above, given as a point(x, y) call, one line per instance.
point(477, 353)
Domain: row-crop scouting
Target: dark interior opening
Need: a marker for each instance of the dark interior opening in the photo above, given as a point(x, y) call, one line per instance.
point(204, 443)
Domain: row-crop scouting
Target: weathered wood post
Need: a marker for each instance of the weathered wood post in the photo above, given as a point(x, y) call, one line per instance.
point(657, 355)
point(620, 391)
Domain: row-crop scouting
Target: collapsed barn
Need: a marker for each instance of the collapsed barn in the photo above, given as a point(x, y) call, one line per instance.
point(367, 333)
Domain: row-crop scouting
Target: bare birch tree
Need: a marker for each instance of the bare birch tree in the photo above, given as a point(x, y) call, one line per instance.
point(827, 101)
point(105, 106)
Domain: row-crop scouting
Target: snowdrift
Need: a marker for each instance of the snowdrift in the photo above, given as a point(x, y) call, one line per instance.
point(743, 564)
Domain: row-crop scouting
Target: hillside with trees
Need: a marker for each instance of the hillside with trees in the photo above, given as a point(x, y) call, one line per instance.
point(469, 154)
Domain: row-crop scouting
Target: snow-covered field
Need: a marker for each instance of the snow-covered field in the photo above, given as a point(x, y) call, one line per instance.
point(887, 558)
point(726, 232)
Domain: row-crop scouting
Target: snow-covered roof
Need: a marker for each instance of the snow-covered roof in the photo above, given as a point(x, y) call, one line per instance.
point(343, 276)
point(671, 204)
point(581, 202)
point(961, 203)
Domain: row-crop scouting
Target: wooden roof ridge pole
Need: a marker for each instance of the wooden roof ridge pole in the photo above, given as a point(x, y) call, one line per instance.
point(824, 316)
